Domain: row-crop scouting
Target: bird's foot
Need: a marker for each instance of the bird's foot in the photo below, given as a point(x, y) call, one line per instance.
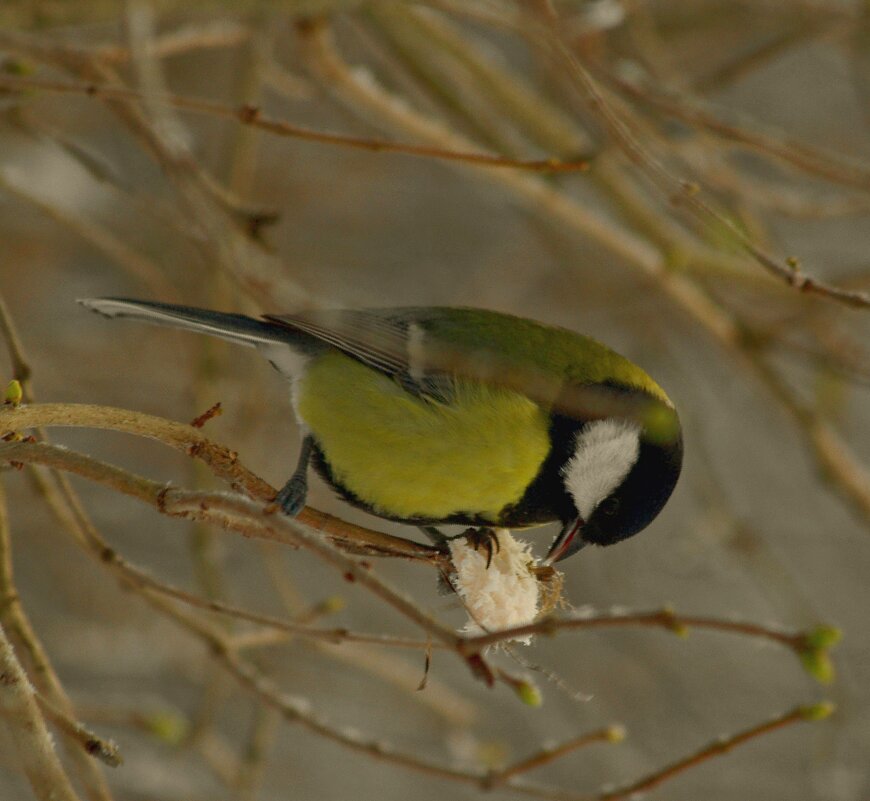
point(483, 538)
point(291, 497)
point(478, 538)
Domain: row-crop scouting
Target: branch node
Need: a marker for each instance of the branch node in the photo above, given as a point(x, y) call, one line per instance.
point(248, 113)
point(161, 498)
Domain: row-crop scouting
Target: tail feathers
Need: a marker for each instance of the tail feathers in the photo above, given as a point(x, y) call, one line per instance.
point(233, 327)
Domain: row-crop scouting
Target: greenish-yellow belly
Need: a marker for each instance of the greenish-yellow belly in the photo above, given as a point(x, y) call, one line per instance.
point(408, 457)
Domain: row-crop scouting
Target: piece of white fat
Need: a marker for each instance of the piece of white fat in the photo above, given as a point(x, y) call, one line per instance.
point(500, 596)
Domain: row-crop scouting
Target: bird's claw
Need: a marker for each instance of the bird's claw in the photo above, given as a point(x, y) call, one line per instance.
point(484, 538)
point(476, 538)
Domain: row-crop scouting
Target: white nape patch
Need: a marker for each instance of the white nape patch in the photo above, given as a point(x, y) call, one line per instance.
point(416, 352)
point(604, 452)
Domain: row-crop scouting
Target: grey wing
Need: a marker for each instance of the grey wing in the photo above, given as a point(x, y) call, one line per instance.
point(389, 340)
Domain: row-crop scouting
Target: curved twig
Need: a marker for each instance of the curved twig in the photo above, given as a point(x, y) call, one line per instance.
point(222, 461)
point(253, 117)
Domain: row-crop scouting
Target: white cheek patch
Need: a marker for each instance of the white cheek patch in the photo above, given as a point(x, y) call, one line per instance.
point(604, 452)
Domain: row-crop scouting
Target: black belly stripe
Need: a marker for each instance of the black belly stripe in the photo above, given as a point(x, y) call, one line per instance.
point(546, 498)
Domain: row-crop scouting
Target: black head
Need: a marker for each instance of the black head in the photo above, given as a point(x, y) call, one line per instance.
point(619, 481)
point(642, 495)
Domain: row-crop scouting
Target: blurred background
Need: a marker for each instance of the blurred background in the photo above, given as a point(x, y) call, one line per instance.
point(760, 108)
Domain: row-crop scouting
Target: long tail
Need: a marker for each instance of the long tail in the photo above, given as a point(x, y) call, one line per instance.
point(234, 327)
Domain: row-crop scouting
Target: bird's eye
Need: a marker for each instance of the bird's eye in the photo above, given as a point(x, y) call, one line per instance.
point(609, 506)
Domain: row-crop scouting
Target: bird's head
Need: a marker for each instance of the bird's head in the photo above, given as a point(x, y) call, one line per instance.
point(618, 477)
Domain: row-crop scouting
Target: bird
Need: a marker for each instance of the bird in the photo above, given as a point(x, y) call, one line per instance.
point(443, 415)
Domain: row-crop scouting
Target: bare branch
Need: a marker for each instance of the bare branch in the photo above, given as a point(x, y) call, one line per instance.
point(94, 745)
point(664, 619)
point(828, 165)
point(679, 191)
point(222, 461)
point(718, 747)
point(252, 116)
point(18, 707)
point(611, 734)
point(229, 511)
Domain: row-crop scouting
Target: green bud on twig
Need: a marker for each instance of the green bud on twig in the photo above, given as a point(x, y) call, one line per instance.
point(813, 652)
point(331, 605)
point(823, 637)
point(14, 393)
point(817, 662)
point(820, 711)
point(528, 693)
point(615, 734)
point(168, 726)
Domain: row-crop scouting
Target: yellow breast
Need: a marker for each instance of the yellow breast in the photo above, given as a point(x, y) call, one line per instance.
point(408, 457)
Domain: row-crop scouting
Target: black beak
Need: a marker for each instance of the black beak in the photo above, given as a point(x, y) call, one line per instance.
point(567, 542)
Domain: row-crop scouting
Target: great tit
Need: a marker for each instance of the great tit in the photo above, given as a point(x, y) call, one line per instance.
point(441, 415)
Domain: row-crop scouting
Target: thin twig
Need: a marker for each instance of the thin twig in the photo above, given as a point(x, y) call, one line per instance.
point(104, 750)
point(718, 747)
point(229, 511)
point(252, 768)
point(829, 165)
point(678, 191)
point(222, 461)
point(293, 709)
point(253, 116)
point(224, 226)
point(138, 266)
point(547, 755)
point(831, 452)
point(663, 618)
point(250, 520)
point(443, 700)
point(246, 518)
point(20, 368)
point(541, 197)
point(30, 736)
point(208, 36)
point(274, 624)
point(12, 613)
